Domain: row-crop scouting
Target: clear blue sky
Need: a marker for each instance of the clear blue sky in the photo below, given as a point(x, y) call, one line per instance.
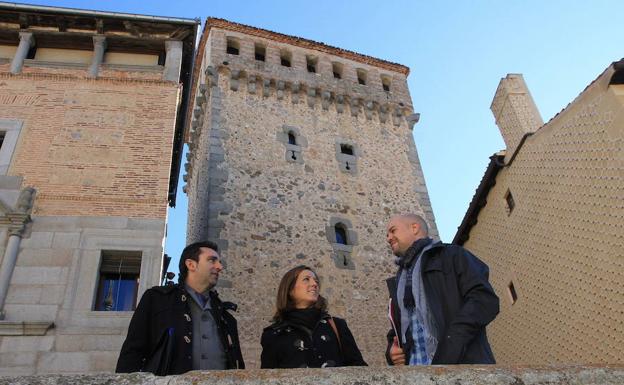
point(457, 51)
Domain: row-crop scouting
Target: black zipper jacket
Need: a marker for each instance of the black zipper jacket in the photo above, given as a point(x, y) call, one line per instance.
point(462, 302)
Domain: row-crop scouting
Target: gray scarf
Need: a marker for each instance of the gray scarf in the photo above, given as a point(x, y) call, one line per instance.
point(421, 307)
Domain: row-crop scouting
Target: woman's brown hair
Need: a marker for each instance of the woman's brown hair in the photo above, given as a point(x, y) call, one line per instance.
point(284, 303)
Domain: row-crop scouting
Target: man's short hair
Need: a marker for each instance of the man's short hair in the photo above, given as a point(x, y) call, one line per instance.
point(192, 251)
point(415, 218)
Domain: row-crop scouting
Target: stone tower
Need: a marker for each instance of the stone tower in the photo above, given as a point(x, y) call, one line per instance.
point(515, 111)
point(299, 154)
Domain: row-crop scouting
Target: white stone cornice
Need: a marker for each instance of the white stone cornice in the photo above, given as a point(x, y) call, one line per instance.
point(25, 328)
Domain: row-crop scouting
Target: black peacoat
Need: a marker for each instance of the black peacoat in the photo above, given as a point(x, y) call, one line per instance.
point(288, 345)
point(166, 310)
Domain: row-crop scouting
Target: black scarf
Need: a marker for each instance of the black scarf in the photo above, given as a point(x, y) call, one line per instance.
point(308, 318)
point(407, 259)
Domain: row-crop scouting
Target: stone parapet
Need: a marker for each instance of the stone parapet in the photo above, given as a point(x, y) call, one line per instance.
point(438, 375)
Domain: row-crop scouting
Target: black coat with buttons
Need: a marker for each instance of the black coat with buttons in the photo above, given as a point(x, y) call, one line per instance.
point(288, 345)
point(163, 308)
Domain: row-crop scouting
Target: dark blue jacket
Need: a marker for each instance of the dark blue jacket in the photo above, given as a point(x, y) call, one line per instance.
point(462, 302)
point(163, 308)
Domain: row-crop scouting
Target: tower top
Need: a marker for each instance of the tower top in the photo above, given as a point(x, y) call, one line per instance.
point(213, 22)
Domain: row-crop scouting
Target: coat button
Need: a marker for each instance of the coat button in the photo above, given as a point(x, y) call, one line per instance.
point(183, 298)
point(205, 336)
point(324, 338)
point(188, 318)
point(204, 317)
point(204, 356)
point(188, 340)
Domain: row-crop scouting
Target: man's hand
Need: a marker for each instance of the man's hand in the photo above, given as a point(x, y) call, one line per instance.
point(396, 353)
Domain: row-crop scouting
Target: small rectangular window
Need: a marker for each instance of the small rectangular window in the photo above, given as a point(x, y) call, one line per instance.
point(385, 83)
point(509, 201)
point(118, 282)
point(2, 134)
point(233, 47)
point(285, 58)
point(361, 75)
point(311, 63)
point(337, 69)
point(346, 149)
point(512, 292)
point(260, 52)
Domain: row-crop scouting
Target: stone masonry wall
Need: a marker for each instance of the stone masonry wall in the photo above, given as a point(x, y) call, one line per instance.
point(270, 213)
point(427, 375)
point(561, 246)
point(55, 280)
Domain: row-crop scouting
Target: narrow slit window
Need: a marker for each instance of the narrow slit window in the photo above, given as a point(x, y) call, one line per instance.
point(292, 139)
point(285, 59)
point(2, 135)
point(341, 234)
point(311, 63)
point(118, 283)
point(233, 47)
point(512, 292)
point(509, 201)
point(361, 76)
point(260, 52)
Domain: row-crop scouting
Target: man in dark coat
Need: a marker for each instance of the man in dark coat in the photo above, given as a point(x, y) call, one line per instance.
point(441, 300)
point(184, 327)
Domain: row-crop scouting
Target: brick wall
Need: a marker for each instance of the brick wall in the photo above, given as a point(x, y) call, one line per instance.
point(92, 147)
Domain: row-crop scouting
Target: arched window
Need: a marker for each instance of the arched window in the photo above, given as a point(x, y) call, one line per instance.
point(341, 234)
point(291, 138)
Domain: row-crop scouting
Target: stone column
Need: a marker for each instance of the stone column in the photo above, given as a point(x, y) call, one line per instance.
point(99, 47)
point(26, 41)
point(18, 219)
point(8, 265)
point(173, 60)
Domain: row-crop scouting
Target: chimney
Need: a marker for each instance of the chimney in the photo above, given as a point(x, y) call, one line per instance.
point(515, 111)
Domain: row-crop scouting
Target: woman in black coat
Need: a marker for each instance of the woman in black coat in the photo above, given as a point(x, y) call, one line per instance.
point(303, 334)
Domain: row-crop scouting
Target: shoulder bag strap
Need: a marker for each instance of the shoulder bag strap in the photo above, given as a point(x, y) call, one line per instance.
point(335, 329)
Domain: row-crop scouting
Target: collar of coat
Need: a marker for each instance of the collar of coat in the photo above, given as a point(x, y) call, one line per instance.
point(214, 296)
point(285, 323)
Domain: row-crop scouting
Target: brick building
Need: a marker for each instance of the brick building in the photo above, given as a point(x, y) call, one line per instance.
point(299, 154)
point(548, 218)
point(91, 122)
